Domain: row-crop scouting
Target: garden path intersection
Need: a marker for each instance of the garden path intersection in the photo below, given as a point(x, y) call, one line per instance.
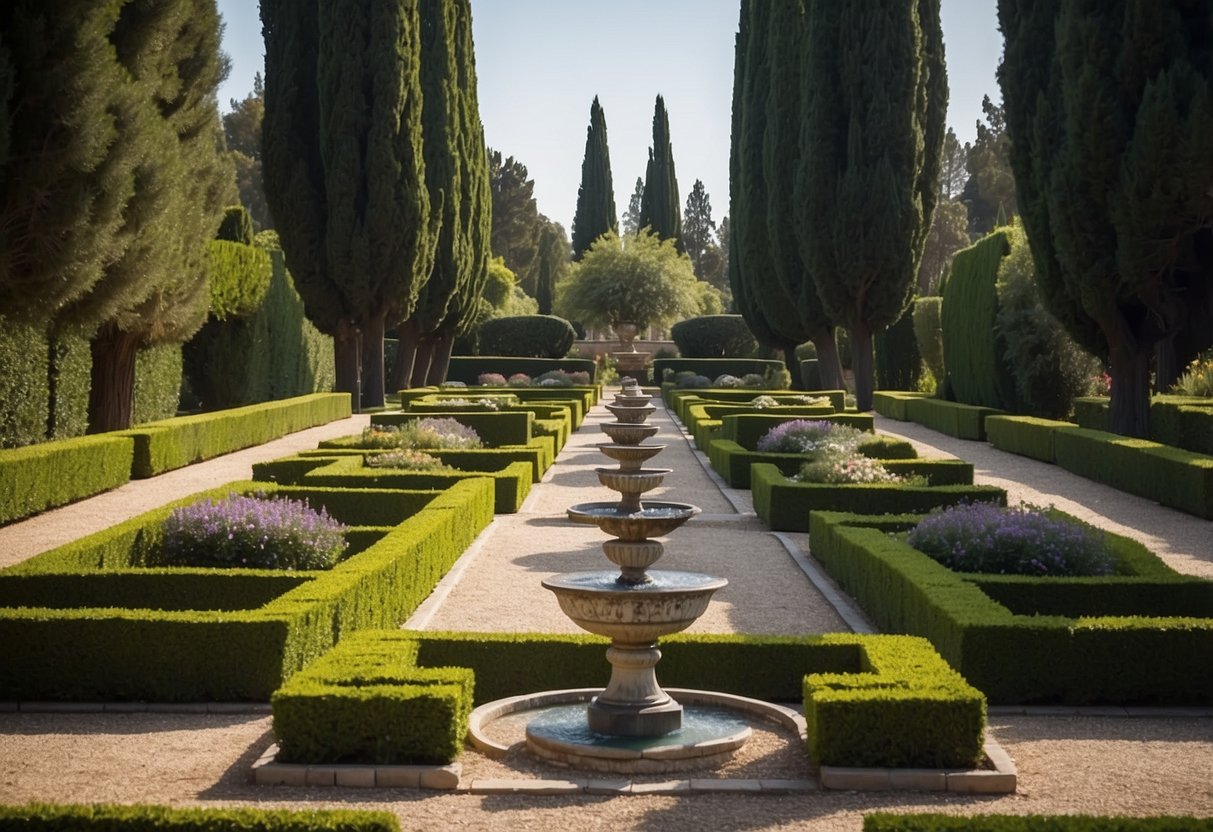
point(1099, 762)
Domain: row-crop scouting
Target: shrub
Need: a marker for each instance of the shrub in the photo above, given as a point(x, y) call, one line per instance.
point(1197, 379)
point(809, 436)
point(407, 460)
point(560, 378)
point(491, 380)
point(441, 433)
point(519, 380)
point(726, 381)
point(754, 380)
point(253, 533)
point(158, 371)
point(1024, 540)
point(971, 352)
point(528, 336)
point(928, 334)
point(692, 382)
point(777, 378)
point(898, 362)
point(849, 468)
point(713, 336)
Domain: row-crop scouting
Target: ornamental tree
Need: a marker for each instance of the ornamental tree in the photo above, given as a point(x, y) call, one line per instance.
point(595, 213)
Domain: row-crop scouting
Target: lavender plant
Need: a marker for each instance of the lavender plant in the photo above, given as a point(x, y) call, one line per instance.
point(253, 533)
point(810, 436)
point(408, 460)
point(1024, 540)
point(437, 433)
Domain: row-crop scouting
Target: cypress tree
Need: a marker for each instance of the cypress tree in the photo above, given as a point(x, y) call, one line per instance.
point(595, 213)
point(660, 209)
point(344, 169)
point(1109, 108)
point(874, 99)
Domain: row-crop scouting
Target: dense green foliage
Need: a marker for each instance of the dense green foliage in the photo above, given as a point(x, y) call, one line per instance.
point(237, 225)
point(1108, 110)
point(875, 95)
point(595, 214)
point(239, 276)
point(137, 818)
point(54, 473)
point(928, 334)
point(898, 362)
point(972, 354)
point(660, 207)
point(713, 336)
point(535, 336)
point(515, 236)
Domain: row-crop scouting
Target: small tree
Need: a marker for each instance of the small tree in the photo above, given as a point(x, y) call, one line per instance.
point(639, 279)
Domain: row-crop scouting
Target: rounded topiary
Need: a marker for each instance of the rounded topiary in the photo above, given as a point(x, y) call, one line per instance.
point(714, 336)
point(527, 336)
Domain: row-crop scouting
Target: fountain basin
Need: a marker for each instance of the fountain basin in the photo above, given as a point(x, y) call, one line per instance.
point(629, 413)
point(622, 433)
point(631, 484)
point(630, 457)
point(633, 614)
point(653, 520)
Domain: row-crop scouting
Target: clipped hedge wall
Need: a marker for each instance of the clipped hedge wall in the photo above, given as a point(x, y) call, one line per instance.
point(528, 336)
point(976, 372)
point(785, 505)
point(747, 428)
point(963, 421)
point(892, 403)
point(239, 277)
point(52, 474)
point(1180, 421)
point(1109, 647)
point(110, 652)
point(469, 368)
point(1024, 435)
point(679, 400)
point(928, 334)
point(714, 336)
point(898, 362)
point(934, 718)
point(495, 428)
point(881, 822)
point(42, 817)
point(733, 462)
point(158, 373)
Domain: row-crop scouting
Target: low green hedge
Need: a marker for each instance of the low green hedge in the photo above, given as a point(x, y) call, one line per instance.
point(1180, 421)
point(38, 477)
point(551, 418)
point(111, 652)
point(747, 428)
point(494, 428)
point(882, 822)
point(1171, 476)
point(1021, 639)
point(43, 817)
point(469, 368)
point(964, 421)
point(511, 482)
point(784, 505)
point(703, 418)
point(935, 719)
point(1024, 435)
point(175, 443)
point(733, 462)
point(892, 403)
point(539, 453)
point(679, 400)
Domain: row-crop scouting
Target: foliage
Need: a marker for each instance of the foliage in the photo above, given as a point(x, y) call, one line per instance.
point(435, 434)
point(237, 226)
point(851, 468)
point(643, 280)
point(660, 211)
point(157, 388)
point(407, 460)
point(699, 237)
point(691, 381)
point(948, 235)
point(595, 214)
point(1022, 540)
point(253, 533)
point(561, 378)
point(491, 380)
point(713, 336)
point(239, 277)
point(533, 336)
point(989, 192)
point(1048, 367)
point(972, 353)
point(631, 217)
point(764, 402)
point(898, 363)
point(515, 234)
point(23, 373)
point(809, 436)
point(242, 130)
point(553, 264)
point(928, 334)
point(1197, 379)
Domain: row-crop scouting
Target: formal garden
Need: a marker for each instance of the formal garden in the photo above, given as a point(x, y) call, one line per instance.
point(333, 480)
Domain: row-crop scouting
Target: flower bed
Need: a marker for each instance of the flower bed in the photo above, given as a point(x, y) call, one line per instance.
point(1142, 635)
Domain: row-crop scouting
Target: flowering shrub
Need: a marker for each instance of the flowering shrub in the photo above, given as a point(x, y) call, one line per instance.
point(519, 380)
point(422, 433)
point(491, 380)
point(456, 385)
point(253, 533)
point(1197, 379)
point(1025, 540)
point(726, 381)
point(763, 402)
point(809, 436)
point(494, 403)
point(753, 380)
point(833, 468)
point(553, 378)
point(692, 382)
point(407, 460)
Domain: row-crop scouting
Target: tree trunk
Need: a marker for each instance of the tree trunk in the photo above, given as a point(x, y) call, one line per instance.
point(440, 359)
point(1130, 405)
point(829, 365)
point(861, 365)
point(347, 356)
point(406, 355)
point(1166, 366)
point(111, 392)
point(421, 365)
point(372, 362)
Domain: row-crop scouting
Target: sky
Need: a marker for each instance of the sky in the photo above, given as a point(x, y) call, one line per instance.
point(539, 64)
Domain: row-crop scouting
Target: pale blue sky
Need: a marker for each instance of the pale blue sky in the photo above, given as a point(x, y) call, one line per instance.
point(541, 62)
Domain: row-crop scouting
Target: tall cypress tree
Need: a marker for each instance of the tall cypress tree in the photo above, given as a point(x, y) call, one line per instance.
point(344, 168)
point(873, 121)
point(595, 213)
point(660, 209)
point(1109, 107)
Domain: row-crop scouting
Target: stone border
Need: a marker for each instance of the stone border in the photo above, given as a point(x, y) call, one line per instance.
point(1000, 778)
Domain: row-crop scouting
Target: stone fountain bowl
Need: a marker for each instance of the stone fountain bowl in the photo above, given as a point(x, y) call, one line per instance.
point(622, 433)
point(631, 414)
point(655, 519)
point(633, 398)
point(635, 481)
point(633, 613)
point(630, 457)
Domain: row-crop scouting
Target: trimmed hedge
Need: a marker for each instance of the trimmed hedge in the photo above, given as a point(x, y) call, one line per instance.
point(1024, 435)
point(747, 428)
point(495, 428)
point(704, 419)
point(933, 719)
point(175, 443)
point(528, 336)
point(111, 652)
point(1181, 421)
point(713, 336)
point(551, 419)
point(1005, 633)
point(44, 817)
point(733, 462)
point(964, 421)
point(972, 354)
point(882, 822)
point(785, 505)
point(469, 368)
point(40, 477)
point(679, 400)
point(714, 367)
point(892, 403)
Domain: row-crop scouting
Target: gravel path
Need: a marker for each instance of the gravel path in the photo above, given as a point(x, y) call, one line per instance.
point(1067, 764)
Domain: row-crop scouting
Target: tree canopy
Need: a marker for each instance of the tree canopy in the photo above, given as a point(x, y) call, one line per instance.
point(660, 209)
point(595, 214)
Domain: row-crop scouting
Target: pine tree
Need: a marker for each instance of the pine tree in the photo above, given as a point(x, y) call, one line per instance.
point(1109, 109)
point(660, 209)
point(515, 236)
point(874, 101)
point(344, 168)
point(595, 213)
point(631, 217)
